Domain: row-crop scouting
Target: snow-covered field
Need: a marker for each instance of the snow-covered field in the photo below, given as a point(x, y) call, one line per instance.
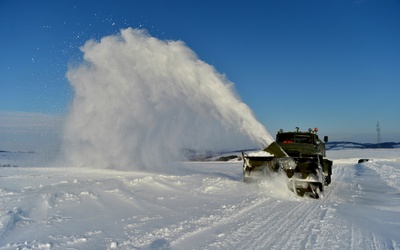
point(204, 205)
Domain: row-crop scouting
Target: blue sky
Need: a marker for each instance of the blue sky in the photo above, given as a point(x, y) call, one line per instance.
point(330, 64)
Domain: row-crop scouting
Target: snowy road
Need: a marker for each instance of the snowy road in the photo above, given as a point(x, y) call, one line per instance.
point(205, 206)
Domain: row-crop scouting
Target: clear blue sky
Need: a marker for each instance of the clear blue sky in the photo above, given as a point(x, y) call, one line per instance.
point(331, 64)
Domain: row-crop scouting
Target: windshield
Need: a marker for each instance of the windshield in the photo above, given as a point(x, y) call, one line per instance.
point(288, 138)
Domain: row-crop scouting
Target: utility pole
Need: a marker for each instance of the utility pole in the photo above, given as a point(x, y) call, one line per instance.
point(378, 135)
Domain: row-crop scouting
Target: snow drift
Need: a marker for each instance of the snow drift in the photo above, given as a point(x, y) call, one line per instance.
point(206, 207)
point(139, 101)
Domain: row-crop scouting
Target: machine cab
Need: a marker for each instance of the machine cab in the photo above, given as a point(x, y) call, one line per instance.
point(301, 142)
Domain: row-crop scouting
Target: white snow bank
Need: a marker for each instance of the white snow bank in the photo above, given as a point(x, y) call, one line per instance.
point(205, 206)
point(259, 153)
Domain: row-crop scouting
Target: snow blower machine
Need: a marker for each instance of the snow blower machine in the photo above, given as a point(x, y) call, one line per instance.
point(300, 155)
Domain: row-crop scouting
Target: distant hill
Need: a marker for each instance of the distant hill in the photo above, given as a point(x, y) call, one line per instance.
point(344, 144)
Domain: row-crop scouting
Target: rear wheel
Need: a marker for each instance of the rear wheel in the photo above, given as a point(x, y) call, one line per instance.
point(327, 180)
point(317, 190)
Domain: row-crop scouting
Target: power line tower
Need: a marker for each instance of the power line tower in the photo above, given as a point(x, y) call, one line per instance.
point(378, 135)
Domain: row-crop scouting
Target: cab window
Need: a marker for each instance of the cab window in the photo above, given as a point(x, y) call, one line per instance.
point(304, 139)
point(285, 138)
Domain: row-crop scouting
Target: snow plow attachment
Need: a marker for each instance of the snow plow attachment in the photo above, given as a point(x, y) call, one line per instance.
point(305, 176)
point(303, 162)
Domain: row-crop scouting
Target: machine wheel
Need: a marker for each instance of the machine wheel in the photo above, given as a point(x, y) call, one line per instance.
point(327, 180)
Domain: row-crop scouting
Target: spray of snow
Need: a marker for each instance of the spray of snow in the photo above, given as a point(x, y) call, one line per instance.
point(276, 185)
point(140, 101)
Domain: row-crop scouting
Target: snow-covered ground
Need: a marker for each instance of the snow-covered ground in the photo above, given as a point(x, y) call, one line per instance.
point(204, 205)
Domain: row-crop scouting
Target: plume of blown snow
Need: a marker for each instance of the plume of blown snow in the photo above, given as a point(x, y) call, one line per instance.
point(140, 101)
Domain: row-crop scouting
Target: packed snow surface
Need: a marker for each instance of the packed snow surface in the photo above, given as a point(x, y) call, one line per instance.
point(205, 205)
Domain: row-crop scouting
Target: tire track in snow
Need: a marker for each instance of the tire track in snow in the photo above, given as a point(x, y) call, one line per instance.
point(285, 224)
point(281, 231)
point(267, 223)
point(230, 216)
point(259, 222)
